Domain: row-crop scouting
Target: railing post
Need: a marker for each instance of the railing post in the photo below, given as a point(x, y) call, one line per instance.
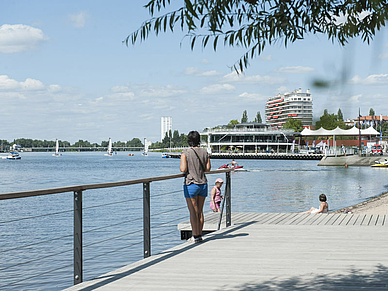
point(146, 220)
point(228, 200)
point(78, 272)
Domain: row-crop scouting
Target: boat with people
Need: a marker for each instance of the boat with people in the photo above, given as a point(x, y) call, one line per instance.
point(165, 156)
point(381, 164)
point(12, 156)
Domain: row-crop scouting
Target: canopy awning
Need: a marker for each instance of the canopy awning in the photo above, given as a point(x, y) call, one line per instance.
point(338, 131)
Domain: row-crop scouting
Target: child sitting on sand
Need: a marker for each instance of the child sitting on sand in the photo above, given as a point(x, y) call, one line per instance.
point(323, 207)
point(216, 196)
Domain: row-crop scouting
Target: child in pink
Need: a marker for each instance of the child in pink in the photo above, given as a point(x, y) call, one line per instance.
point(216, 196)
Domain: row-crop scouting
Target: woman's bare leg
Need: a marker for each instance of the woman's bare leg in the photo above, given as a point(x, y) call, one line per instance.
point(194, 219)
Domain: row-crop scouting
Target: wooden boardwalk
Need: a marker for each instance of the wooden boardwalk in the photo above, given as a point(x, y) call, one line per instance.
point(268, 251)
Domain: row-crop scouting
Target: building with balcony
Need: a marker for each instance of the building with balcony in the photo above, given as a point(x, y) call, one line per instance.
point(247, 138)
point(296, 105)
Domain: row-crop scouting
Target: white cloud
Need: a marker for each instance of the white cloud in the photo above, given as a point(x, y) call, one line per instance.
point(234, 77)
point(383, 55)
point(205, 61)
point(355, 98)
point(198, 72)
point(19, 37)
point(295, 70)
point(281, 90)
point(252, 96)
point(370, 80)
point(217, 89)
point(78, 20)
point(7, 84)
point(266, 58)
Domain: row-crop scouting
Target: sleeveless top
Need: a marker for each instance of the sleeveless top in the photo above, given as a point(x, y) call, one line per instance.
point(195, 172)
point(217, 197)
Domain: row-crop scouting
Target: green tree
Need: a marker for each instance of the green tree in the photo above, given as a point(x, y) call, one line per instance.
point(233, 122)
point(340, 115)
point(294, 124)
point(253, 24)
point(371, 112)
point(329, 121)
point(135, 142)
point(244, 118)
point(258, 117)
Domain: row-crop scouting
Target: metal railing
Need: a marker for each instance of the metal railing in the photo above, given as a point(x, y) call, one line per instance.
point(78, 213)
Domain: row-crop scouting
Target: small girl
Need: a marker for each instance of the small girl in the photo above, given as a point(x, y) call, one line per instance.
point(216, 196)
point(323, 207)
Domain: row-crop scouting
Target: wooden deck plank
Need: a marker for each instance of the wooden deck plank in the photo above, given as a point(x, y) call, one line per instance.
point(366, 220)
point(347, 220)
point(274, 218)
point(269, 256)
point(293, 219)
point(360, 219)
point(287, 218)
point(320, 217)
point(282, 218)
point(341, 218)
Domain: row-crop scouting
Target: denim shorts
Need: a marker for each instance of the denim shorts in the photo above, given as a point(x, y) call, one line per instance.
point(193, 190)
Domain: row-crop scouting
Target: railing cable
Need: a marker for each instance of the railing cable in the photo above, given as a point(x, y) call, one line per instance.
point(115, 250)
point(37, 243)
point(112, 238)
point(114, 224)
point(38, 216)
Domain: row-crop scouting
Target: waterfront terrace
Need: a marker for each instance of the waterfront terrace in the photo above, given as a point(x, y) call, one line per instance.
point(247, 138)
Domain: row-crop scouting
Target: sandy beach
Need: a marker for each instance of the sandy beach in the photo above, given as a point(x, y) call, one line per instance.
point(375, 205)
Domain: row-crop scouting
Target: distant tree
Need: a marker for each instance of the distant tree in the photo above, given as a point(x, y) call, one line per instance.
point(244, 118)
point(329, 121)
point(176, 140)
point(340, 115)
point(183, 140)
point(258, 117)
point(294, 124)
point(82, 143)
point(233, 122)
point(135, 142)
point(371, 112)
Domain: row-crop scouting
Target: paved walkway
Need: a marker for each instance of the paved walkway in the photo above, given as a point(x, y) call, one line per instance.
point(268, 252)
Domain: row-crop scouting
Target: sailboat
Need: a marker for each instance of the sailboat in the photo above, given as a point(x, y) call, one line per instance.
point(57, 154)
point(145, 153)
point(109, 152)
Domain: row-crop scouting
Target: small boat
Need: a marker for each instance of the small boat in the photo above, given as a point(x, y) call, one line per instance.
point(57, 154)
point(230, 167)
point(381, 164)
point(131, 155)
point(109, 152)
point(165, 156)
point(145, 152)
point(12, 156)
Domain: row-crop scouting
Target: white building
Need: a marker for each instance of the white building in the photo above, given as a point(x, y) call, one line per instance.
point(296, 105)
point(165, 126)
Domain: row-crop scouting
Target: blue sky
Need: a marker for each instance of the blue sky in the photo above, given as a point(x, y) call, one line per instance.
point(65, 73)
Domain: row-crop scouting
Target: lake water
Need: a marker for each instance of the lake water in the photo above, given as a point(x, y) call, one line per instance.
point(38, 251)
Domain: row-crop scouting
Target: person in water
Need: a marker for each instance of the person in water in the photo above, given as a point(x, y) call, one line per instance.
point(232, 164)
point(323, 207)
point(216, 196)
point(194, 163)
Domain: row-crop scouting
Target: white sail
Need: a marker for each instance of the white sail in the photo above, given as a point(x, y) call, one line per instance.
point(57, 154)
point(145, 153)
point(109, 152)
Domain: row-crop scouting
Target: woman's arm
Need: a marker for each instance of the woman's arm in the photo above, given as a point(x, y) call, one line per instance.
point(321, 207)
point(213, 196)
point(183, 166)
point(208, 165)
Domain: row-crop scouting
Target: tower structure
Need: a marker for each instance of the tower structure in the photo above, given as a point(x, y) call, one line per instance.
point(165, 126)
point(296, 105)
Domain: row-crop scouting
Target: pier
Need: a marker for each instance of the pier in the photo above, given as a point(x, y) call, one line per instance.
point(267, 251)
point(259, 156)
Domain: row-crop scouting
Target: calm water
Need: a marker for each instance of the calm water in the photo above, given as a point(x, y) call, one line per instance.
point(38, 251)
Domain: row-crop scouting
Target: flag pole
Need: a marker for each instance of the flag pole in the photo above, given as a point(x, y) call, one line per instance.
point(359, 133)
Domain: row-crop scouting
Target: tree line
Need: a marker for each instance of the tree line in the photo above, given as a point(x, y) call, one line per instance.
point(172, 139)
point(327, 121)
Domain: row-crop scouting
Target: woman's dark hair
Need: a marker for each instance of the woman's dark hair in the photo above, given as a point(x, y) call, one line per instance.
point(193, 138)
point(322, 197)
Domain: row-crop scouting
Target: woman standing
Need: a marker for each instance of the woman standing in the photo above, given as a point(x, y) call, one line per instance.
point(194, 163)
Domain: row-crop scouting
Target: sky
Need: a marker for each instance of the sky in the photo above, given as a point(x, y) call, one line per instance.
point(66, 74)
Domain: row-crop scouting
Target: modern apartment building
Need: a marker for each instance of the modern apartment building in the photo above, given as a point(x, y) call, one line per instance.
point(296, 105)
point(165, 126)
